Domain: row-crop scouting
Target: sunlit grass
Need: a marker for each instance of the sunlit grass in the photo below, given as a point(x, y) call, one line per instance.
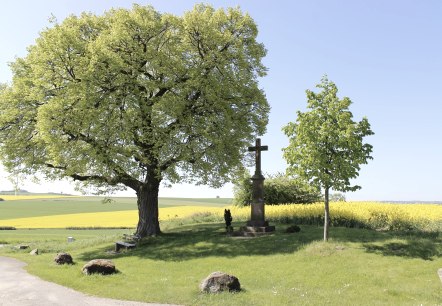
point(127, 218)
point(356, 267)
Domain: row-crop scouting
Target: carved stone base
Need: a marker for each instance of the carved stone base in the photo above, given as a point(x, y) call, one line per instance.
point(257, 223)
point(256, 230)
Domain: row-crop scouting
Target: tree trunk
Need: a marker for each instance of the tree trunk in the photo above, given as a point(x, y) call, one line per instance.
point(148, 223)
point(326, 214)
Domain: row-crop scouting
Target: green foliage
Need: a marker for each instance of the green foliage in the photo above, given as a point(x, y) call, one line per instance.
point(326, 146)
point(136, 97)
point(109, 99)
point(108, 200)
point(278, 189)
point(242, 189)
point(337, 197)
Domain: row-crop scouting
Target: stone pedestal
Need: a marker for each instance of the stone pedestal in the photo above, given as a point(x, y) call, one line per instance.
point(257, 225)
point(253, 231)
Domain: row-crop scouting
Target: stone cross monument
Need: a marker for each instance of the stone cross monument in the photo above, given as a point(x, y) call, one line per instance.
point(257, 223)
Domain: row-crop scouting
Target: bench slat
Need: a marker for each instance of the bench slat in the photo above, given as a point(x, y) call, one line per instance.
point(122, 244)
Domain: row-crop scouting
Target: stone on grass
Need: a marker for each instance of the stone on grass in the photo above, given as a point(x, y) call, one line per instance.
point(101, 266)
point(218, 282)
point(293, 229)
point(63, 258)
point(34, 252)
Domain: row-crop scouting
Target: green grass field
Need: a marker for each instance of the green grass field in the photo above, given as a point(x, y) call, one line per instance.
point(357, 267)
point(75, 205)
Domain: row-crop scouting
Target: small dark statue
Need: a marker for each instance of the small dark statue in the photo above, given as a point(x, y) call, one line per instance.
point(228, 219)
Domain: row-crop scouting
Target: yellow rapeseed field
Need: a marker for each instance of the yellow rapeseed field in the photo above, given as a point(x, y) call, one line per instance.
point(370, 214)
point(31, 197)
point(357, 214)
point(360, 210)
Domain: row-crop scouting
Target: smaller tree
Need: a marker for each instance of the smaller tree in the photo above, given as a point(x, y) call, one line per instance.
point(16, 178)
point(326, 146)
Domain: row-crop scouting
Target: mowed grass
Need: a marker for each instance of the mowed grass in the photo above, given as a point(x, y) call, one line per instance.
point(29, 207)
point(357, 267)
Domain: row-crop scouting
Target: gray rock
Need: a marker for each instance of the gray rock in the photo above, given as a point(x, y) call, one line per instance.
point(218, 282)
point(101, 266)
point(63, 258)
point(34, 252)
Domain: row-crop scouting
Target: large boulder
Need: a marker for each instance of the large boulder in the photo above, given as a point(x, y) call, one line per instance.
point(63, 258)
point(218, 282)
point(101, 266)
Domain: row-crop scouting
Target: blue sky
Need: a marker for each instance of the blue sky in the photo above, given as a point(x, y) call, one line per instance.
point(385, 55)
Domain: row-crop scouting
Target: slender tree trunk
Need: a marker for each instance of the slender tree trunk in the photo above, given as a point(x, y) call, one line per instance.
point(148, 223)
point(326, 214)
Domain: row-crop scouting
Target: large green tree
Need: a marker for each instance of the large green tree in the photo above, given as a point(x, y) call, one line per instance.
point(134, 98)
point(326, 146)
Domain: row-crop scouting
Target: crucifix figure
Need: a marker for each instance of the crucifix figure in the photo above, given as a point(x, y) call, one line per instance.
point(257, 223)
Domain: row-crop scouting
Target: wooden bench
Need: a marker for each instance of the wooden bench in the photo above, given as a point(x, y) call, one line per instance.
point(124, 245)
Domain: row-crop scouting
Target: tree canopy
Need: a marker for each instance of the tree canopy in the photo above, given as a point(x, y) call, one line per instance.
point(134, 98)
point(326, 146)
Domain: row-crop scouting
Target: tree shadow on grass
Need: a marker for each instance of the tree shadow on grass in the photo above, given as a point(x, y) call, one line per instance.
point(423, 249)
point(207, 240)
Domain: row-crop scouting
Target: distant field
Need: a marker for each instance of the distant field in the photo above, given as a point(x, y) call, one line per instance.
point(128, 218)
point(51, 206)
point(22, 197)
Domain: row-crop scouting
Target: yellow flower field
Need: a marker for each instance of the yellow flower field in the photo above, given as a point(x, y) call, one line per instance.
point(360, 210)
point(128, 218)
point(365, 214)
point(32, 197)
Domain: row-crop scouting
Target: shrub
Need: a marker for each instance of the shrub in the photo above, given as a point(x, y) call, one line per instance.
point(278, 189)
point(378, 220)
point(7, 228)
point(1, 199)
point(293, 229)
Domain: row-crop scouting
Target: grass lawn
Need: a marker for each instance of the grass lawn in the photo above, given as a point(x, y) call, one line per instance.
point(74, 205)
point(357, 267)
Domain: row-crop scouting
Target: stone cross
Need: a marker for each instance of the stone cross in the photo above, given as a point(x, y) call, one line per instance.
point(258, 148)
point(257, 221)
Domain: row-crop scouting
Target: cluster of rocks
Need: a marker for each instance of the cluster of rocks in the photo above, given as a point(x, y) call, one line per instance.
point(293, 229)
point(100, 266)
point(214, 283)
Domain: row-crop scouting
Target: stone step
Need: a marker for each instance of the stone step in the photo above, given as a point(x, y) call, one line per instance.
point(257, 229)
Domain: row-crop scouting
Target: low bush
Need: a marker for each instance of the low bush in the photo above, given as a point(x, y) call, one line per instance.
point(279, 189)
point(7, 228)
